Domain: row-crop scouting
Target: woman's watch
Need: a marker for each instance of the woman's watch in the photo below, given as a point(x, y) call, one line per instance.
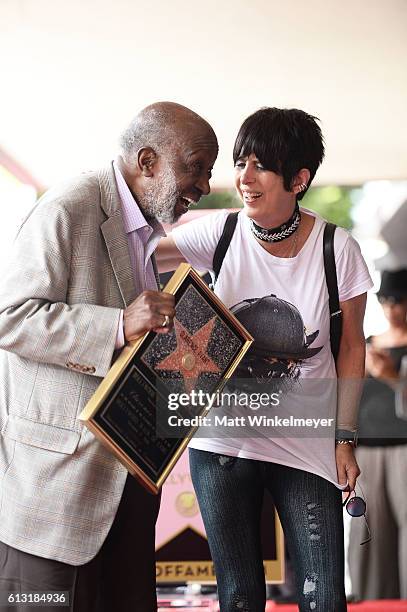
point(345, 436)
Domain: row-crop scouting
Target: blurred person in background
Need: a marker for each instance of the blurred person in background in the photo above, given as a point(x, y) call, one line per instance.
point(379, 570)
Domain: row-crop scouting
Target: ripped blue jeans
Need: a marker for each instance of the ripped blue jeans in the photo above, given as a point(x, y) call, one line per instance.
point(230, 494)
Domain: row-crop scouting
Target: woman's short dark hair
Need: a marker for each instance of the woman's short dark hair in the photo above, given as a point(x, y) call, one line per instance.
point(284, 140)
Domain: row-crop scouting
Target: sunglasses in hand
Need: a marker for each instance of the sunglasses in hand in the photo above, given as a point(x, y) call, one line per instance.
point(356, 506)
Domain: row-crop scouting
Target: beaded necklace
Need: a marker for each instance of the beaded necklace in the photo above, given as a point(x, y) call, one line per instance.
point(277, 234)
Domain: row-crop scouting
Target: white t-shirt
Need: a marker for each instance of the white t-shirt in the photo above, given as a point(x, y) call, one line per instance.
point(249, 271)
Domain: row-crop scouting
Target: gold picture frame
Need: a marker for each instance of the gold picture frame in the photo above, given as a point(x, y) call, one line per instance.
point(205, 346)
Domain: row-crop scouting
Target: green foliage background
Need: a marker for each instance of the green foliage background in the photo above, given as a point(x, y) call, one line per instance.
point(331, 202)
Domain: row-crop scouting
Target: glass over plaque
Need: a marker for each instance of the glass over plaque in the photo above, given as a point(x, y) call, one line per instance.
point(199, 354)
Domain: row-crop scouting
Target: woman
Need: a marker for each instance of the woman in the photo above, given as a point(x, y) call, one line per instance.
point(276, 254)
point(381, 571)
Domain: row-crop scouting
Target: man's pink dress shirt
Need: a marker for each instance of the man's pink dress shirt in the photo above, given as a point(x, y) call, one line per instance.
point(142, 239)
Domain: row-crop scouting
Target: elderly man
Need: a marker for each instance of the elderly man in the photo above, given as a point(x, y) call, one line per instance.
point(82, 281)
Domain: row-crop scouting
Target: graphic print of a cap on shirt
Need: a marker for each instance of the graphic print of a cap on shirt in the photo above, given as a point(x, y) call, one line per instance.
point(280, 340)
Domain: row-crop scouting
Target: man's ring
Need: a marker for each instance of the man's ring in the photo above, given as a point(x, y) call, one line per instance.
point(166, 321)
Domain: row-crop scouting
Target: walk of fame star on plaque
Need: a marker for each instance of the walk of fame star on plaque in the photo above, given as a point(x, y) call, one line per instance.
point(190, 358)
point(196, 352)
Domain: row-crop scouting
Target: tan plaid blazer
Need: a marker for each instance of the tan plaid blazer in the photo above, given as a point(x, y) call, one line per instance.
point(68, 277)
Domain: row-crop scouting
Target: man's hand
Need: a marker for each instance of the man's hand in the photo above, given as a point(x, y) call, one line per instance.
point(346, 465)
point(148, 312)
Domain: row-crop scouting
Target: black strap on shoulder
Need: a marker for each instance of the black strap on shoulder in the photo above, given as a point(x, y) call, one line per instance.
point(224, 242)
point(332, 284)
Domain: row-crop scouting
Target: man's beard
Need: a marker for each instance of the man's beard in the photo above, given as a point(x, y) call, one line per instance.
point(160, 198)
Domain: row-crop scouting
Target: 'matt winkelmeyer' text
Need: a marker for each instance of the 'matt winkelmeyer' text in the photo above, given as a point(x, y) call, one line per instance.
point(249, 420)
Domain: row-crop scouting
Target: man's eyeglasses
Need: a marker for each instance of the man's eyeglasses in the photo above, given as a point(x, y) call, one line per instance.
point(356, 506)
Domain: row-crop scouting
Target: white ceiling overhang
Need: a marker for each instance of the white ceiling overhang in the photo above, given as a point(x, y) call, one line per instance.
point(74, 73)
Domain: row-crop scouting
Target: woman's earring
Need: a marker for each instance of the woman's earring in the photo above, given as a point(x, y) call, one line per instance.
point(301, 187)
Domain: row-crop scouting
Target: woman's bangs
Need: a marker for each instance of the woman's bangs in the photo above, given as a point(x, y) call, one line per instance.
point(254, 138)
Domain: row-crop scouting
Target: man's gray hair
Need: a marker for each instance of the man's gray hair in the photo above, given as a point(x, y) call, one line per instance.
point(153, 127)
point(161, 126)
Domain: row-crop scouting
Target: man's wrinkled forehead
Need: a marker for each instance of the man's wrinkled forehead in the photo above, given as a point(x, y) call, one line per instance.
point(193, 145)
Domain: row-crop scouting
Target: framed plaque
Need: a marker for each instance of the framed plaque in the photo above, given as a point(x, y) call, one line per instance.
point(129, 408)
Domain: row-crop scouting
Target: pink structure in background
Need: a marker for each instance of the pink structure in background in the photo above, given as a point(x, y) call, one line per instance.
point(179, 506)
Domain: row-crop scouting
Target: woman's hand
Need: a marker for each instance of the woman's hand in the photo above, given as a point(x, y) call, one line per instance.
point(346, 465)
